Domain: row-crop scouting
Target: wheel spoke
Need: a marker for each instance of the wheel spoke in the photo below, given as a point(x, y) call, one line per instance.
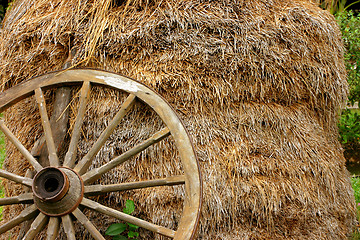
point(84, 164)
point(54, 161)
point(101, 189)
point(21, 199)
point(68, 227)
point(87, 224)
point(127, 218)
point(71, 154)
point(19, 146)
point(26, 214)
point(53, 228)
point(16, 178)
point(37, 225)
point(25, 226)
point(97, 172)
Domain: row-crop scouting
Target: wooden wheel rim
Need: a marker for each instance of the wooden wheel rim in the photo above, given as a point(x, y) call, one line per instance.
point(190, 216)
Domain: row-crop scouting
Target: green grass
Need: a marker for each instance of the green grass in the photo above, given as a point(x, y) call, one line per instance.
point(355, 182)
point(2, 149)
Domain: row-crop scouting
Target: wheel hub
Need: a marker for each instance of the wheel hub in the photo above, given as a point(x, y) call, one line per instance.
point(57, 190)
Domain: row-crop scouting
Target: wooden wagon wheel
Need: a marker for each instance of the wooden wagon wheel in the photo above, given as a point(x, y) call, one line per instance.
point(59, 191)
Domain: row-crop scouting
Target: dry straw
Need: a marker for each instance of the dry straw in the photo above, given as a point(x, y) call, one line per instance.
point(259, 85)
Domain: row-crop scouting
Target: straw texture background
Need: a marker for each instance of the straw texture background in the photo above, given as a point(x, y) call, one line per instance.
point(259, 85)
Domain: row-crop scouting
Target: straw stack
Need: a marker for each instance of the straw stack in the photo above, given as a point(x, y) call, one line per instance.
point(259, 85)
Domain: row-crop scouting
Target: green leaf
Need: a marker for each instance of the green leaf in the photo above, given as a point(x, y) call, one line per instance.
point(132, 234)
point(120, 237)
point(115, 229)
point(129, 207)
point(132, 227)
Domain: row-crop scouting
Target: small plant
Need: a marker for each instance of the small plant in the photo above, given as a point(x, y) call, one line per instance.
point(349, 24)
point(349, 128)
point(124, 231)
point(336, 6)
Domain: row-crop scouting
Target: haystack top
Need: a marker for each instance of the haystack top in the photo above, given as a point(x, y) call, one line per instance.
point(221, 51)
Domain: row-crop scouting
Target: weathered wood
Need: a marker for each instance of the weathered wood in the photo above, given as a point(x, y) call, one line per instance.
point(16, 178)
point(60, 117)
point(68, 227)
point(102, 189)
point(84, 164)
point(53, 228)
point(71, 153)
point(36, 227)
point(26, 214)
point(87, 224)
point(58, 122)
point(21, 199)
point(54, 161)
point(19, 146)
point(127, 218)
point(96, 173)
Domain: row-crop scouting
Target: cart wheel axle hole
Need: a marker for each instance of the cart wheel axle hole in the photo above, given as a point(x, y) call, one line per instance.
point(51, 184)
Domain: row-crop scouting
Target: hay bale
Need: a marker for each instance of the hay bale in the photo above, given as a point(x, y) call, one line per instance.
point(258, 83)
